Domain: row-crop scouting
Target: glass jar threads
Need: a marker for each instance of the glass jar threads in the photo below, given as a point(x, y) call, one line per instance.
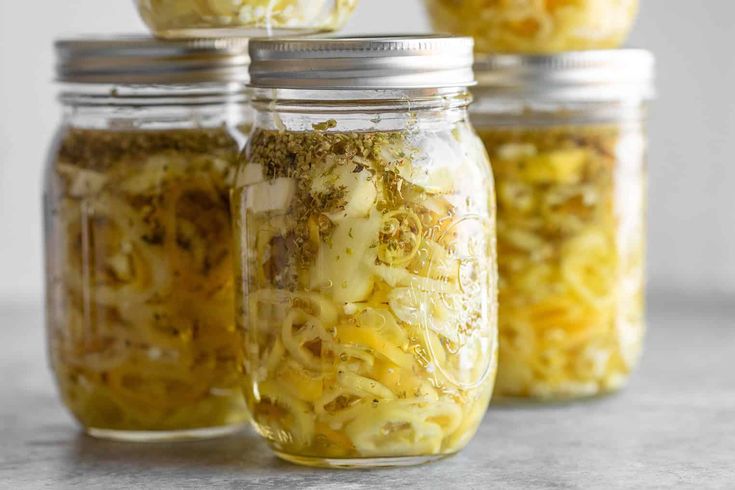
point(243, 18)
point(536, 26)
point(139, 276)
point(364, 216)
point(565, 135)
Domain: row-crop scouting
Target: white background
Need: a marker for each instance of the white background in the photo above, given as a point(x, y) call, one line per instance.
point(692, 201)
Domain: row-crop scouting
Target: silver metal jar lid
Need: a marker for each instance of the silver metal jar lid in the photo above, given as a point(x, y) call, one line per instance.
point(144, 60)
point(390, 62)
point(602, 75)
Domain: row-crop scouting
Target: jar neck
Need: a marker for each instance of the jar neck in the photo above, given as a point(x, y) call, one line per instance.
point(123, 107)
point(358, 110)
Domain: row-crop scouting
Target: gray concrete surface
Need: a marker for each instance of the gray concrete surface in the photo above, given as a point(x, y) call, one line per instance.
point(673, 427)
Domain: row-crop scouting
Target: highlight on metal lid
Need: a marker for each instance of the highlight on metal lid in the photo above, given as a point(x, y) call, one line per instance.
point(144, 60)
point(597, 75)
point(379, 62)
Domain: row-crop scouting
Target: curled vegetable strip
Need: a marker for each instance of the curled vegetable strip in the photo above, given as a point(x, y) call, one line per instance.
point(389, 343)
point(400, 239)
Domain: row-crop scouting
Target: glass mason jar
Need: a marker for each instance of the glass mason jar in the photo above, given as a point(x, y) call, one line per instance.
point(243, 18)
point(364, 216)
point(536, 26)
point(565, 134)
point(140, 302)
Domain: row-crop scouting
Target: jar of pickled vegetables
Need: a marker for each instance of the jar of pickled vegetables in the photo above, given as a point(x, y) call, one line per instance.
point(536, 26)
point(140, 302)
point(565, 134)
point(243, 18)
point(364, 221)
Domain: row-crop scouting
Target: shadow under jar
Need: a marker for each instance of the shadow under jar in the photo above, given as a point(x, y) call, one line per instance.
point(364, 216)
point(140, 303)
point(566, 139)
point(173, 19)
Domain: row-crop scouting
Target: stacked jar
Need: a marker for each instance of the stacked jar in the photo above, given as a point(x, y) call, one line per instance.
point(561, 110)
point(536, 26)
point(176, 19)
